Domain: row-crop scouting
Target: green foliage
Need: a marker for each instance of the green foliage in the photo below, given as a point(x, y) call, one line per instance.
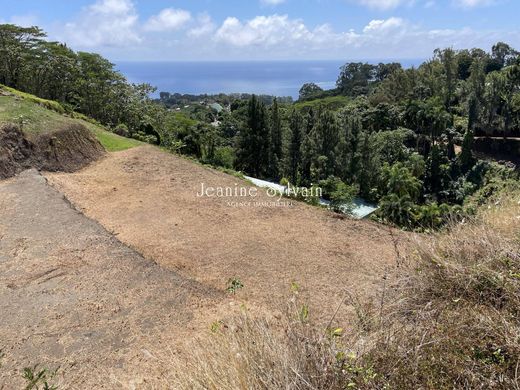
point(39, 379)
point(35, 118)
point(113, 142)
point(309, 90)
point(224, 157)
point(399, 180)
point(48, 104)
point(387, 132)
point(466, 158)
point(234, 284)
point(216, 326)
point(59, 79)
point(303, 314)
point(341, 195)
point(333, 103)
point(253, 152)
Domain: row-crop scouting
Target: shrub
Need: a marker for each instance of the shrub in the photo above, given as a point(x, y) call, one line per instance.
point(455, 322)
point(122, 130)
point(224, 157)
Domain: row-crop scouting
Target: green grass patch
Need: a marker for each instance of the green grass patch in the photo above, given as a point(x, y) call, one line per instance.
point(33, 118)
point(39, 116)
point(49, 104)
point(113, 142)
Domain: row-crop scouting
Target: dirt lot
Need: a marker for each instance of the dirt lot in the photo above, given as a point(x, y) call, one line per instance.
point(148, 199)
point(71, 295)
point(74, 294)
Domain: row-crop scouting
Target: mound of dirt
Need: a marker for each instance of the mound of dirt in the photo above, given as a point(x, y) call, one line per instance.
point(66, 150)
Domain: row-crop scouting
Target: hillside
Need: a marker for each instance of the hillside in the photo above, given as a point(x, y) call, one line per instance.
point(132, 264)
point(39, 133)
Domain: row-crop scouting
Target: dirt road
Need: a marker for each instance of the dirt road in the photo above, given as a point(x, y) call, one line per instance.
point(72, 295)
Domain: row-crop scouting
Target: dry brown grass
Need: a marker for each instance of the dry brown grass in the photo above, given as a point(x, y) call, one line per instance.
point(252, 353)
point(452, 320)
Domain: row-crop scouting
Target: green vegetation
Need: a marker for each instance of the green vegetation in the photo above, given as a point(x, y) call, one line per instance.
point(113, 142)
point(388, 134)
point(28, 112)
point(33, 118)
point(39, 379)
point(333, 103)
point(234, 284)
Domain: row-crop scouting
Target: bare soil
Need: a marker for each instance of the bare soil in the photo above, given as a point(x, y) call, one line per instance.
point(67, 149)
point(73, 296)
point(148, 199)
point(107, 271)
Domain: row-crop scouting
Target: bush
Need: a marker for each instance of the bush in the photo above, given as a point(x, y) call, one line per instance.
point(248, 353)
point(224, 157)
point(456, 320)
point(341, 195)
point(122, 130)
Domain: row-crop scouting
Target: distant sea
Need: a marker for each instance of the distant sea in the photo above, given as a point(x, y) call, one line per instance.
point(279, 78)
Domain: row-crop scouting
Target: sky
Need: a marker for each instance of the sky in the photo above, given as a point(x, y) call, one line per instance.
point(205, 30)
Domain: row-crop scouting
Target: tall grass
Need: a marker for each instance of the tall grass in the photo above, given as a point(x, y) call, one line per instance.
point(451, 320)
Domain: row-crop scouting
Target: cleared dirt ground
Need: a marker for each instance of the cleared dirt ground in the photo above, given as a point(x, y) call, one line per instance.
point(71, 295)
point(74, 294)
point(148, 199)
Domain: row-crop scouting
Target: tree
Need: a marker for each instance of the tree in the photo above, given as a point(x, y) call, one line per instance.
point(275, 141)
point(354, 78)
point(400, 181)
point(309, 90)
point(476, 81)
point(397, 210)
point(296, 124)
point(383, 71)
point(449, 62)
point(18, 47)
point(369, 166)
point(502, 55)
point(253, 140)
point(436, 175)
point(326, 137)
point(466, 158)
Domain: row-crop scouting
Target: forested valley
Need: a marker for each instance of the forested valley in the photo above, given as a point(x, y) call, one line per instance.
point(400, 137)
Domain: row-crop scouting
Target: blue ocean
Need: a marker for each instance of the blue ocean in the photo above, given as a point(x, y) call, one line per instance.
point(279, 78)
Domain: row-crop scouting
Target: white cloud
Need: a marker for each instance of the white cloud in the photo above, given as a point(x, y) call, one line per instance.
point(112, 23)
point(262, 30)
point(204, 26)
point(473, 3)
point(167, 20)
point(280, 37)
point(383, 26)
point(112, 27)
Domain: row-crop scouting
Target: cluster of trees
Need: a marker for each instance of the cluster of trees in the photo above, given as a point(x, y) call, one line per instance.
point(81, 82)
point(178, 100)
point(404, 139)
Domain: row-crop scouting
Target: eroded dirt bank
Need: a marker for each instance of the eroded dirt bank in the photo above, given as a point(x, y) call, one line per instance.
point(67, 149)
